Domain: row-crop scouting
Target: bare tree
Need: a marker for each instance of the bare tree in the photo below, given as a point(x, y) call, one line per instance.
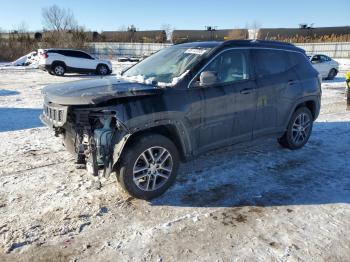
point(58, 19)
point(254, 27)
point(168, 30)
point(61, 29)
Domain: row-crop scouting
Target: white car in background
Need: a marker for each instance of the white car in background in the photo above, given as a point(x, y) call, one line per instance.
point(326, 66)
point(61, 61)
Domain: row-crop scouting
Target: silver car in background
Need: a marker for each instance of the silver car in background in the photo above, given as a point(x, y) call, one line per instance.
point(326, 66)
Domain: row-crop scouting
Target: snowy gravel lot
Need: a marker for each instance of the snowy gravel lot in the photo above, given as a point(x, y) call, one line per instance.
point(249, 202)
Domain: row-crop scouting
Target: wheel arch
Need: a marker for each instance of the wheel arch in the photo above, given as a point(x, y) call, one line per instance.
point(58, 62)
point(172, 131)
point(311, 103)
point(102, 64)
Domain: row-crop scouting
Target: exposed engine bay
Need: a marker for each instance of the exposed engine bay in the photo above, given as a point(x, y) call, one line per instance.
point(90, 134)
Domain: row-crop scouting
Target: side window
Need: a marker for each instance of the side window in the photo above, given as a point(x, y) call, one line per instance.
point(230, 66)
point(271, 62)
point(64, 52)
point(84, 55)
point(300, 61)
point(73, 53)
point(81, 55)
point(60, 52)
point(325, 58)
point(316, 59)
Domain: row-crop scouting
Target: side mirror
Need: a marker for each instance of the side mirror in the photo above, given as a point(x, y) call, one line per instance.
point(207, 78)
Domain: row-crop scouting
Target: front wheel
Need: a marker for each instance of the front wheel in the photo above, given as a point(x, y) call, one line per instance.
point(148, 166)
point(332, 74)
point(102, 70)
point(299, 129)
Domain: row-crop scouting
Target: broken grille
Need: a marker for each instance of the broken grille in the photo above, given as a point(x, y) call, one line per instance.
point(55, 115)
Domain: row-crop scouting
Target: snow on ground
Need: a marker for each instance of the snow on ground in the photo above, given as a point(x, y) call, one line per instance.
point(344, 64)
point(253, 201)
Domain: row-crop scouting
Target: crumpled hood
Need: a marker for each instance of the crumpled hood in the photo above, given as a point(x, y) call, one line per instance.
point(94, 91)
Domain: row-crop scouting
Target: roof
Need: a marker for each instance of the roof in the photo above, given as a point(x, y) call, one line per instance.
point(207, 44)
point(243, 43)
point(263, 43)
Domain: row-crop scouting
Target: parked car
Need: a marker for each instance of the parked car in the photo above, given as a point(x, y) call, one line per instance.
point(61, 61)
point(326, 66)
point(25, 60)
point(182, 102)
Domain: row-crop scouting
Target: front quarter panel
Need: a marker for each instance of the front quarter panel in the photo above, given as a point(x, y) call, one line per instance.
point(178, 108)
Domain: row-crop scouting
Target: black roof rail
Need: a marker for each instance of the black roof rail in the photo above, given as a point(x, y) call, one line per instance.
point(262, 43)
point(257, 41)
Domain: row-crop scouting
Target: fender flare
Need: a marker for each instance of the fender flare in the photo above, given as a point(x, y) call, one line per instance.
point(177, 126)
point(301, 101)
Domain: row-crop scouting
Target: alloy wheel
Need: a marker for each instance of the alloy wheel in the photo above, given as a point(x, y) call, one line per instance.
point(59, 70)
point(152, 168)
point(301, 128)
point(103, 70)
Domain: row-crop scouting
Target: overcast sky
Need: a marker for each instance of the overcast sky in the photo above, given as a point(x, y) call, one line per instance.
point(152, 14)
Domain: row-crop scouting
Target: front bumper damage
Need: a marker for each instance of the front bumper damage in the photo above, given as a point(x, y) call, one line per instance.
point(95, 136)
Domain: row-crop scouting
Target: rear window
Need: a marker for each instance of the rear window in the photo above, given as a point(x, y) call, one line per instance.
point(271, 62)
point(82, 55)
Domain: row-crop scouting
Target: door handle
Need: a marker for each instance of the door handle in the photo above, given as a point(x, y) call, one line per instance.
point(291, 82)
point(246, 91)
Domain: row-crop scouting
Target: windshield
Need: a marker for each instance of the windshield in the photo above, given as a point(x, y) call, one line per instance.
point(166, 67)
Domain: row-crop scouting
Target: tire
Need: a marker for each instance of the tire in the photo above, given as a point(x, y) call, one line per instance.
point(51, 73)
point(299, 129)
point(102, 70)
point(142, 177)
point(332, 74)
point(59, 69)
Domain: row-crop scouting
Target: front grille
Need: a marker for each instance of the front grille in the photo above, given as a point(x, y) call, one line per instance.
point(55, 115)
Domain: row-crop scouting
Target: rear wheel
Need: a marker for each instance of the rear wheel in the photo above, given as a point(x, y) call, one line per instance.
point(299, 129)
point(102, 70)
point(332, 74)
point(148, 166)
point(59, 69)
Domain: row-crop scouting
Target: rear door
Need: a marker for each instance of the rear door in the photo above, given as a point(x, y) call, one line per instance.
point(228, 107)
point(79, 60)
point(275, 77)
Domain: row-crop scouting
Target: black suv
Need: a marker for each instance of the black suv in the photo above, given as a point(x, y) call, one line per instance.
point(181, 102)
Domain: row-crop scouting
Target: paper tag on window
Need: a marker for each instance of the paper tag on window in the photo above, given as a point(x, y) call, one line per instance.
point(195, 51)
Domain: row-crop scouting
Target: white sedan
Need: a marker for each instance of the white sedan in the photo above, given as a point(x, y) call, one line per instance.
point(326, 66)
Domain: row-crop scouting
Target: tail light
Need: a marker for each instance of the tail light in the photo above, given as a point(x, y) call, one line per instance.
point(45, 55)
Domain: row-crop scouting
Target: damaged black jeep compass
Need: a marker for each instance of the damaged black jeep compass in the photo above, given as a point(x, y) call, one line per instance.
point(181, 102)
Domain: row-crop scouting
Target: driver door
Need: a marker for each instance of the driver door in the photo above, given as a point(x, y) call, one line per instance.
point(228, 104)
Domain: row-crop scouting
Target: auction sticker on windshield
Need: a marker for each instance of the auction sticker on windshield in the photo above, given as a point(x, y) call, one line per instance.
point(195, 51)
